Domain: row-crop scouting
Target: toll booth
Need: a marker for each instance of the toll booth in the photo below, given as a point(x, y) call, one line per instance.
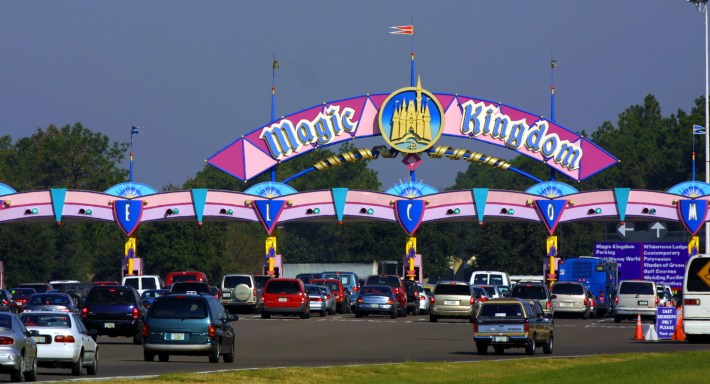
point(137, 264)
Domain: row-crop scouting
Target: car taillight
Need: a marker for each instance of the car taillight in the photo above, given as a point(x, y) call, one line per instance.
point(482, 299)
point(616, 300)
point(422, 297)
point(4, 340)
point(359, 300)
point(390, 301)
point(84, 312)
point(136, 313)
point(472, 301)
point(656, 300)
point(356, 289)
point(211, 332)
point(592, 303)
point(145, 330)
point(5, 302)
point(64, 339)
point(526, 327)
point(691, 301)
point(432, 300)
point(475, 327)
point(316, 299)
point(548, 305)
point(586, 301)
point(601, 295)
point(416, 294)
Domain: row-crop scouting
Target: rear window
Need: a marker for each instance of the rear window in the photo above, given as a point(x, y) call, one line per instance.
point(529, 292)
point(38, 299)
point(496, 279)
point(452, 289)
point(178, 308)
point(374, 290)
point(501, 310)
point(233, 281)
point(288, 287)
point(148, 283)
point(567, 289)
point(110, 296)
point(392, 281)
point(636, 288)
point(132, 282)
point(345, 279)
point(186, 278)
point(480, 279)
point(46, 320)
point(313, 290)
point(693, 281)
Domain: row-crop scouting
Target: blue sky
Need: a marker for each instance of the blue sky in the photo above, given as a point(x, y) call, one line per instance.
point(196, 75)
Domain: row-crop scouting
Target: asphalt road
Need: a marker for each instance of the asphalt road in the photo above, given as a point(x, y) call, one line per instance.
point(344, 339)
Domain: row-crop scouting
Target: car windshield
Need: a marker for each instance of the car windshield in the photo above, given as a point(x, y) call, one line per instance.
point(529, 292)
point(636, 288)
point(452, 289)
point(233, 281)
point(288, 287)
point(490, 290)
point(496, 279)
point(152, 294)
point(501, 310)
point(178, 308)
point(313, 290)
point(48, 299)
point(46, 320)
point(110, 296)
point(345, 279)
point(568, 289)
point(375, 290)
point(392, 281)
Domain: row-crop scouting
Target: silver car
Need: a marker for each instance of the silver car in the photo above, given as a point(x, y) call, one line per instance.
point(320, 300)
point(19, 357)
point(573, 298)
point(452, 299)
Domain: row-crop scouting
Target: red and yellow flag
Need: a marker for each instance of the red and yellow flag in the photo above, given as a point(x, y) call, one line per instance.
point(403, 30)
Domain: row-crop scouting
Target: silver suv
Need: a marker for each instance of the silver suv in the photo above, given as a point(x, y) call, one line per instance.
point(573, 298)
point(240, 292)
point(452, 299)
point(635, 297)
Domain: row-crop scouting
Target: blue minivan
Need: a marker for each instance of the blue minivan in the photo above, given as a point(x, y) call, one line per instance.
point(188, 324)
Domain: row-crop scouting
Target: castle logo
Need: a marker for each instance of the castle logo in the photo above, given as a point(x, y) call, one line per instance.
point(411, 119)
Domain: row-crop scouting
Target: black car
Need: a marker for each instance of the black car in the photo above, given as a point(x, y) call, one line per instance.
point(114, 310)
point(534, 290)
point(412, 288)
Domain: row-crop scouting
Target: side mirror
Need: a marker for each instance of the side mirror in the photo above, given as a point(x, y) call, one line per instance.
point(33, 332)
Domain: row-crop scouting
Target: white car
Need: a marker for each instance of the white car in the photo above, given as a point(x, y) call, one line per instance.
point(63, 341)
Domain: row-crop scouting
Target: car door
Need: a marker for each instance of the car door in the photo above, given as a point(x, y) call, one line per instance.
point(86, 340)
point(542, 324)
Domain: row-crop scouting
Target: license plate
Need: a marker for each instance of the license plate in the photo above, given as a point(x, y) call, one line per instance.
point(227, 295)
point(40, 339)
point(451, 302)
point(643, 302)
point(283, 299)
point(500, 339)
point(566, 304)
point(109, 325)
point(177, 336)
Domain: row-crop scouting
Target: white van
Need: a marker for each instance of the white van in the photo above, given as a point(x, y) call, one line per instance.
point(696, 298)
point(142, 282)
point(490, 278)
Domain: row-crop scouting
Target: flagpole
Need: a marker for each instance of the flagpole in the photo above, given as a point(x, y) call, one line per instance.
point(553, 65)
point(130, 172)
point(412, 72)
point(274, 66)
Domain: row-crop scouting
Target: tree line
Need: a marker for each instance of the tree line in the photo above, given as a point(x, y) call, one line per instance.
point(655, 153)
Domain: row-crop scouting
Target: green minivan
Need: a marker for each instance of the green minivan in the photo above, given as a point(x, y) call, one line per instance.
point(195, 325)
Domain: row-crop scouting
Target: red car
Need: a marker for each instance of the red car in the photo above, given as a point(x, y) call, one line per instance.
point(342, 299)
point(397, 286)
point(283, 296)
point(20, 296)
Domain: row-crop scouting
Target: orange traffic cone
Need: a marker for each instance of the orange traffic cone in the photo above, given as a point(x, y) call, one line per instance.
point(639, 329)
point(679, 334)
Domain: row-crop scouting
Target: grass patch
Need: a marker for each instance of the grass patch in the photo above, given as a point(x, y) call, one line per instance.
point(645, 368)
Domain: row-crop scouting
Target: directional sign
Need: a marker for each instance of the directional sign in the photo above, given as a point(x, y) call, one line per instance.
point(658, 230)
point(624, 228)
point(704, 273)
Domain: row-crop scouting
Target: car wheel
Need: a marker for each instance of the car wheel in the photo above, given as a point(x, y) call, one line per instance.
point(229, 357)
point(530, 348)
point(323, 313)
point(415, 312)
point(138, 338)
point(498, 349)
point(304, 315)
point(265, 315)
point(163, 357)
point(482, 348)
point(214, 355)
point(93, 369)
point(432, 319)
point(31, 375)
point(393, 315)
point(19, 375)
point(358, 314)
point(78, 365)
point(617, 319)
point(547, 347)
point(148, 356)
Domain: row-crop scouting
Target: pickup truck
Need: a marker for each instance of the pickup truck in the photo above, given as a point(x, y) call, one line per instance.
point(512, 323)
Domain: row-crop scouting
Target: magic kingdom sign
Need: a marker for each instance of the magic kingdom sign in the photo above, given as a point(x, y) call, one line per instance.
point(411, 120)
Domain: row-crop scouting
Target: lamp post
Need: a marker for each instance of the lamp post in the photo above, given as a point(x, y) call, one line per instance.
point(702, 6)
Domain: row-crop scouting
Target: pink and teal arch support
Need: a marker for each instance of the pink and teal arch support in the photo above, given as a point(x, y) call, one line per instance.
point(338, 121)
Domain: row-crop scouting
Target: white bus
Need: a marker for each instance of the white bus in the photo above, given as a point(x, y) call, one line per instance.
point(696, 299)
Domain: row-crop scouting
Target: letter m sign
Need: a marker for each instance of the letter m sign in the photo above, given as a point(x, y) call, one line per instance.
point(692, 214)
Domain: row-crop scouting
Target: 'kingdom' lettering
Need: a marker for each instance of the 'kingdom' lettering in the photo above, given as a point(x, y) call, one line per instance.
point(479, 119)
